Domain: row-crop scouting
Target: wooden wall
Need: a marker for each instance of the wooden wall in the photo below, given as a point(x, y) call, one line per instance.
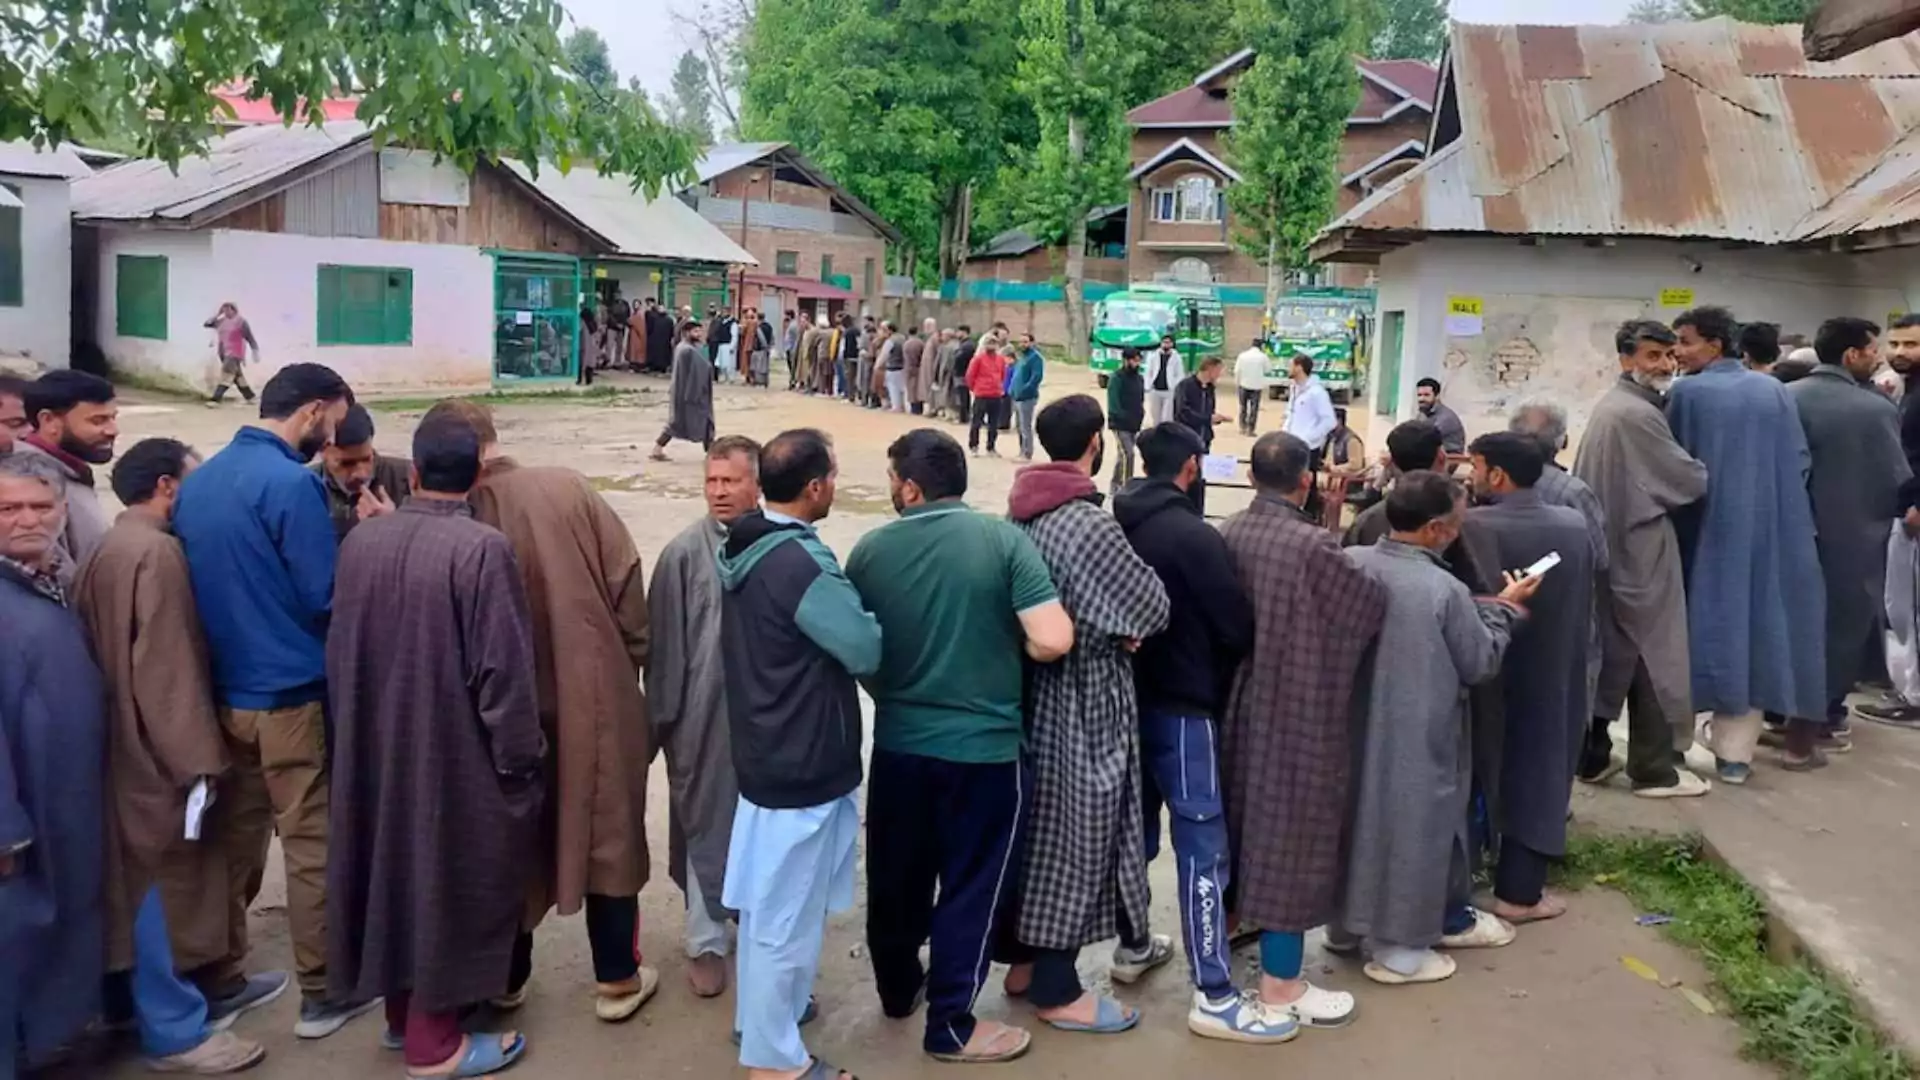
point(499, 215)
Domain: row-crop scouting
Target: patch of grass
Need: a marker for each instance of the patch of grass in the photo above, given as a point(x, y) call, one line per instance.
point(592, 395)
point(1794, 1016)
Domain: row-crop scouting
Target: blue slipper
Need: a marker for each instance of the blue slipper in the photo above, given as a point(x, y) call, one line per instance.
point(1110, 1018)
point(484, 1057)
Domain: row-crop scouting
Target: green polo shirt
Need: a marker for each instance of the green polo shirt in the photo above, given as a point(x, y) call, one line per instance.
point(948, 585)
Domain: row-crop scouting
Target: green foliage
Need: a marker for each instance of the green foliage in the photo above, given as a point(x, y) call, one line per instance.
point(1653, 12)
point(906, 102)
point(1171, 42)
point(1794, 1016)
point(587, 58)
point(469, 79)
point(1052, 189)
point(691, 108)
point(1408, 29)
point(1753, 11)
point(1290, 111)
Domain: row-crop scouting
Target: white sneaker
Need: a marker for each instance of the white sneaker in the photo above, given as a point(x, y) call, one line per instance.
point(1685, 786)
point(1130, 966)
point(1318, 1008)
point(1242, 1019)
point(1488, 931)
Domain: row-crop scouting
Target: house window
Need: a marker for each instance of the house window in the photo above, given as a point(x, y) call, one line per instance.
point(365, 305)
point(866, 275)
point(140, 296)
point(786, 263)
point(1192, 200)
point(12, 273)
point(826, 267)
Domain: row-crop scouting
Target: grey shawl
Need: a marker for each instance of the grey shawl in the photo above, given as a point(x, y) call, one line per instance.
point(691, 409)
point(1640, 475)
point(1411, 775)
point(1853, 432)
point(687, 699)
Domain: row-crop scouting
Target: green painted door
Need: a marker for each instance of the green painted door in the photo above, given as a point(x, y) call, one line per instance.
point(1386, 389)
point(536, 317)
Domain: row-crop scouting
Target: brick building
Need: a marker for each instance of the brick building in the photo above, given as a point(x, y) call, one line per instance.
point(1179, 225)
point(820, 249)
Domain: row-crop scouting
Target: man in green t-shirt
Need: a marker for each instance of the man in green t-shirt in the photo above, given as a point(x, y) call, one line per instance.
point(962, 599)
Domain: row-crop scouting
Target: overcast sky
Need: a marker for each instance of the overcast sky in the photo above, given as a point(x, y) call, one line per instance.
point(645, 40)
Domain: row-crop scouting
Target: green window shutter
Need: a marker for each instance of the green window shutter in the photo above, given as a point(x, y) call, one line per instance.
point(140, 296)
point(786, 263)
point(364, 305)
point(12, 273)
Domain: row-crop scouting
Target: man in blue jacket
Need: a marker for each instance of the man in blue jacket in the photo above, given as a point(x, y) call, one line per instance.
point(794, 720)
point(1025, 391)
point(260, 547)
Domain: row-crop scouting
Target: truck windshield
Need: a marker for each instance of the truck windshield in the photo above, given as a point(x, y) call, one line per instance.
point(1310, 320)
point(1136, 315)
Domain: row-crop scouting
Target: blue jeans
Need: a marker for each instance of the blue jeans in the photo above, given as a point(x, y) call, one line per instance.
point(1179, 755)
point(171, 1013)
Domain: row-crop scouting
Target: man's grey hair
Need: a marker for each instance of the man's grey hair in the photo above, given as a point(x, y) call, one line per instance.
point(1544, 419)
point(20, 465)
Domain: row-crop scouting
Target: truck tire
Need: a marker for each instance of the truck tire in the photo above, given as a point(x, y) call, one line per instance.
point(1274, 393)
point(1341, 397)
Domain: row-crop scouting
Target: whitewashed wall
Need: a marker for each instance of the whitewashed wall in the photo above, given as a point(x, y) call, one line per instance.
point(274, 280)
point(41, 326)
point(1550, 311)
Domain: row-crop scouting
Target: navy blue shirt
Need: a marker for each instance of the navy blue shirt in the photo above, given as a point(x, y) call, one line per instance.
point(260, 548)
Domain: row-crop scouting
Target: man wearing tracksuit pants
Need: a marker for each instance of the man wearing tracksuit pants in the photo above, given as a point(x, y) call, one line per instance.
point(1182, 676)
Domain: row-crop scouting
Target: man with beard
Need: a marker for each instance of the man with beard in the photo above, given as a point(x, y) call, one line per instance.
point(686, 692)
point(1085, 871)
point(13, 412)
point(962, 598)
point(1546, 672)
point(1756, 602)
point(1630, 460)
point(260, 548)
point(690, 400)
point(1853, 435)
point(164, 911)
point(1453, 434)
point(74, 422)
point(587, 592)
point(660, 324)
point(1903, 553)
point(52, 773)
point(960, 394)
point(430, 666)
point(361, 482)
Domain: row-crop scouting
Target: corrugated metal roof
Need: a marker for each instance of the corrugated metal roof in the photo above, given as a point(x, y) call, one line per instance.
point(662, 228)
point(727, 157)
point(1204, 104)
point(146, 190)
point(1712, 129)
point(20, 158)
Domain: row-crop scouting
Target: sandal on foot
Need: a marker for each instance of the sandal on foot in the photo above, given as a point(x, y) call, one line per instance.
point(1109, 1018)
point(1434, 968)
point(485, 1055)
point(1548, 907)
point(1021, 1044)
point(822, 1069)
point(618, 1002)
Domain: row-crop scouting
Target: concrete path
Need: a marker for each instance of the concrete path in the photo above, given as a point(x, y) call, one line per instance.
point(1835, 854)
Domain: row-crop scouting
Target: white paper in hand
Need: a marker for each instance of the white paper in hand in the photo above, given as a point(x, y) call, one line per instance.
point(1219, 468)
point(196, 808)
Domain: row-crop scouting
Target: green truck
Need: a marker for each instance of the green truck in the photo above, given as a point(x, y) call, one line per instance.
point(1324, 327)
point(1139, 315)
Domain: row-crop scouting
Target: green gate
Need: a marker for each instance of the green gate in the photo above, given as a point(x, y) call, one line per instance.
point(536, 317)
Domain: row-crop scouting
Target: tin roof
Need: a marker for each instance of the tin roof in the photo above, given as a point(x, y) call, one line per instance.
point(235, 163)
point(20, 157)
point(726, 157)
point(1388, 87)
point(1712, 129)
point(662, 228)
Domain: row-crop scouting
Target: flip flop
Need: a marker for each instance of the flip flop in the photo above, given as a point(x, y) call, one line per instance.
point(1535, 915)
point(484, 1057)
point(822, 1069)
point(1017, 1050)
point(1109, 1018)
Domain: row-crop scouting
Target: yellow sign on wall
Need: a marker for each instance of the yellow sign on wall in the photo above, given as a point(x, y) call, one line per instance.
point(599, 271)
point(1465, 305)
point(1676, 298)
point(1464, 316)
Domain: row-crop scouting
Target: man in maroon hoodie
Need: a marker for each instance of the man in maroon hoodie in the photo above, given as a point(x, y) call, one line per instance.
point(1085, 870)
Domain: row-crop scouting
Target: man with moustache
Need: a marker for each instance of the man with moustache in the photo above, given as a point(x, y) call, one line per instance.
point(361, 482)
point(1902, 709)
point(13, 412)
point(686, 687)
point(75, 421)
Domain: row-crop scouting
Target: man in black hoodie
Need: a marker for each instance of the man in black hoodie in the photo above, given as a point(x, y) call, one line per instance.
point(1126, 408)
point(1182, 676)
point(794, 721)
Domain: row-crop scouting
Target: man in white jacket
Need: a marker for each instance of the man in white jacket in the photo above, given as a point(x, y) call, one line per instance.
point(1310, 419)
point(1165, 368)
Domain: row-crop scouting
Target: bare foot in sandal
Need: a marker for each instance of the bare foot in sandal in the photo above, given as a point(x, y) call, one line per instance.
point(814, 1070)
point(1549, 907)
point(1018, 981)
point(476, 1059)
point(992, 1041)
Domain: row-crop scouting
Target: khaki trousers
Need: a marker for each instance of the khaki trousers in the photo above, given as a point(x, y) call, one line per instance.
point(279, 783)
point(1733, 736)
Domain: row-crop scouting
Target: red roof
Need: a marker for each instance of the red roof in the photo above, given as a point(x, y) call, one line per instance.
point(1210, 106)
point(262, 112)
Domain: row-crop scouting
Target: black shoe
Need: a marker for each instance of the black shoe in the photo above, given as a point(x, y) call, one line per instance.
point(259, 990)
point(1891, 713)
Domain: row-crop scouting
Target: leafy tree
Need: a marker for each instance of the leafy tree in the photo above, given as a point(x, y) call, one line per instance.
point(909, 103)
point(469, 79)
point(1073, 69)
point(720, 27)
point(1656, 11)
point(691, 109)
point(1409, 29)
point(1753, 11)
point(587, 58)
point(1171, 42)
point(1290, 110)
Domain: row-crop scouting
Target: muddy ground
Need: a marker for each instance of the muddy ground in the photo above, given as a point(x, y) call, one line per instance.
point(1558, 1001)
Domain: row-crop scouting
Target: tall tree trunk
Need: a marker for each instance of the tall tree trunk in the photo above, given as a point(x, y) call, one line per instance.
point(949, 224)
point(1276, 266)
point(1077, 226)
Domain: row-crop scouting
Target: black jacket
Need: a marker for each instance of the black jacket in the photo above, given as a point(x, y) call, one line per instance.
point(1193, 406)
point(1189, 666)
point(795, 620)
point(1910, 423)
point(1126, 399)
